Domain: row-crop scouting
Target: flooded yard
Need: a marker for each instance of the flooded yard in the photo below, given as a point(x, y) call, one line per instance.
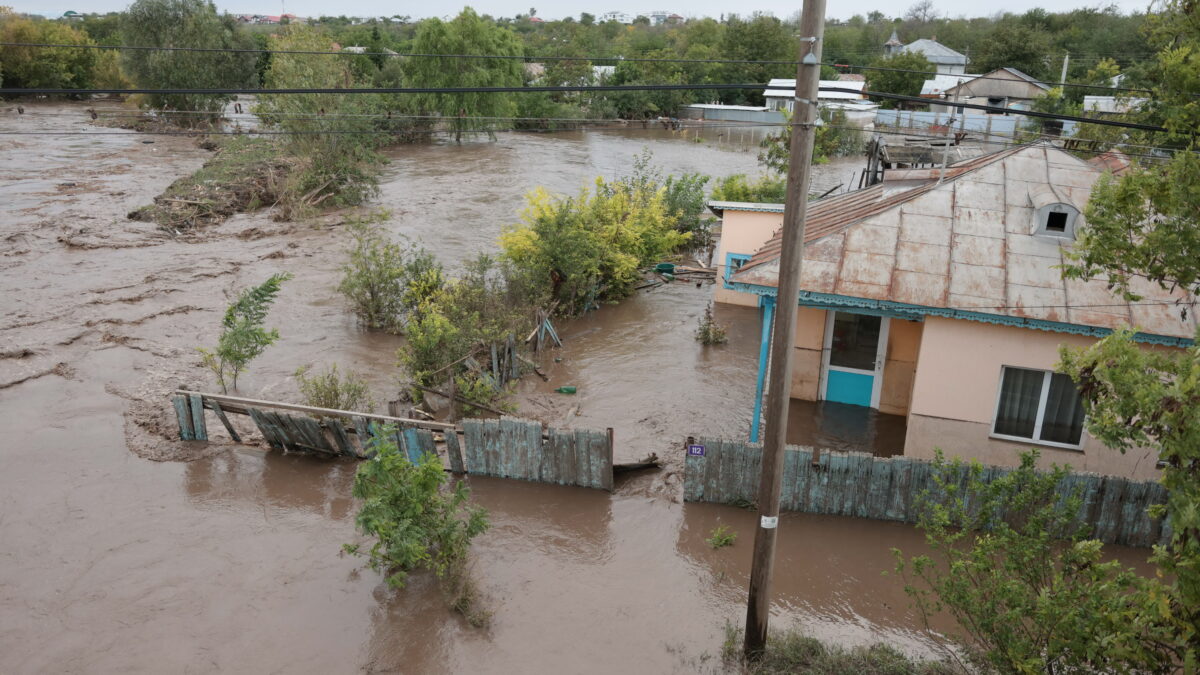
point(112, 561)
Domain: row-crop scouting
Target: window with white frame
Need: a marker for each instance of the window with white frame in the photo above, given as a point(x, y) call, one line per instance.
point(1040, 406)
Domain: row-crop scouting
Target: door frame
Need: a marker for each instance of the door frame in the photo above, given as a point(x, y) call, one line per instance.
point(880, 357)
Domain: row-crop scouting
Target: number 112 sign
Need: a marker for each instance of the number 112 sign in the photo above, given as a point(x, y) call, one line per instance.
point(695, 450)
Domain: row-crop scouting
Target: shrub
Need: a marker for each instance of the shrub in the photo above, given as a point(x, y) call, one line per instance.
point(710, 332)
point(243, 337)
point(43, 67)
point(384, 281)
point(330, 389)
point(794, 652)
point(417, 522)
point(739, 188)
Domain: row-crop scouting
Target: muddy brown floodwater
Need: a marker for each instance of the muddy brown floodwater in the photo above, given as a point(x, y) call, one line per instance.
point(111, 561)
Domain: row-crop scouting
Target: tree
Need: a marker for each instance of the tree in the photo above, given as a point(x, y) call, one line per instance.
point(43, 67)
point(243, 337)
point(385, 281)
point(895, 79)
point(1013, 45)
point(337, 168)
point(468, 33)
point(587, 19)
point(1141, 228)
point(1011, 563)
point(762, 38)
point(922, 12)
point(185, 23)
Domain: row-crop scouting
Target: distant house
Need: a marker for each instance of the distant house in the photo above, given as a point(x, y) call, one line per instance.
point(781, 93)
point(1003, 87)
point(71, 15)
point(1111, 105)
point(935, 297)
point(619, 17)
point(945, 60)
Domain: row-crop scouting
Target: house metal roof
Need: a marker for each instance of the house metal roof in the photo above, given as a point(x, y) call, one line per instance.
point(939, 83)
point(785, 88)
point(966, 246)
point(936, 52)
point(719, 207)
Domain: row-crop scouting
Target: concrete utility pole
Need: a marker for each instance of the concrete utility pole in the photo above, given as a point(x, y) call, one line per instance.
point(808, 76)
point(1066, 60)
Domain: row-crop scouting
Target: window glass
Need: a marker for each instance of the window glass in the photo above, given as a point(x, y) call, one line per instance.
point(1020, 393)
point(1062, 421)
point(855, 341)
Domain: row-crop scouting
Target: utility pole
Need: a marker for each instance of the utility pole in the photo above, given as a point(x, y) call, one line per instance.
point(1066, 60)
point(808, 76)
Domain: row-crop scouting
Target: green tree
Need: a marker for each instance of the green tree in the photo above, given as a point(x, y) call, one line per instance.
point(43, 67)
point(416, 520)
point(243, 337)
point(1010, 561)
point(1141, 227)
point(762, 38)
point(331, 135)
point(893, 79)
point(185, 23)
point(468, 33)
point(1012, 44)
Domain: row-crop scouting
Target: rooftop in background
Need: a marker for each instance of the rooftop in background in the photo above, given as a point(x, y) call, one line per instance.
point(935, 87)
point(937, 53)
point(786, 88)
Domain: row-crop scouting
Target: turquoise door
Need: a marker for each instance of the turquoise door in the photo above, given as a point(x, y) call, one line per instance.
point(854, 356)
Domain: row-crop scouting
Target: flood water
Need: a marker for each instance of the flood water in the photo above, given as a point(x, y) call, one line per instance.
point(116, 555)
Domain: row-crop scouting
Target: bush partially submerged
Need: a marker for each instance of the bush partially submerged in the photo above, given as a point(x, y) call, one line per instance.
point(331, 389)
point(385, 281)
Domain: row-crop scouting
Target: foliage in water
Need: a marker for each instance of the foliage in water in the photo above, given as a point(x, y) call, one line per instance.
point(416, 520)
point(832, 138)
point(332, 389)
point(385, 281)
point(770, 189)
point(243, 337)
point(710, 332)
point(589, 248)
point(1010, 561)
point(791, 651)
point(721, 536)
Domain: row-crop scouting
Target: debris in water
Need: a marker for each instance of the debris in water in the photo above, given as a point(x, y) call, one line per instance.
point(570, 389)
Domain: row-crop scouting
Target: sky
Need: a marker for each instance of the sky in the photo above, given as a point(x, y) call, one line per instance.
point(841, 9)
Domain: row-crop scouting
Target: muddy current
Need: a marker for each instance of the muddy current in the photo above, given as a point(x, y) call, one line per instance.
point(118, 555)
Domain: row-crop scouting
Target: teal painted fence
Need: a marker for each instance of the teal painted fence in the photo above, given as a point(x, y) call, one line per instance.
point(505, 448)
point(516, 448)
point(887, 488)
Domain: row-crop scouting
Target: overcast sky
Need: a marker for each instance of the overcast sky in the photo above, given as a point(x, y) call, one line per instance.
point(561, 8)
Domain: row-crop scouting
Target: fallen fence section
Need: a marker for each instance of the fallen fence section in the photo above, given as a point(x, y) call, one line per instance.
point(887, 488)
point(505, 448)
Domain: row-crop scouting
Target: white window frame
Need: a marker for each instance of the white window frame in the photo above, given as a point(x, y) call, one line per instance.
point(1041, 414)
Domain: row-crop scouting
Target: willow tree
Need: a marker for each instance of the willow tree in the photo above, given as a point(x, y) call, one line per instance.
point(185, 23)
point(470, 34)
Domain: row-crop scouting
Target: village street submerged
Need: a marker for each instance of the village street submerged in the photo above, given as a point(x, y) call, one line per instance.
point(231, 561)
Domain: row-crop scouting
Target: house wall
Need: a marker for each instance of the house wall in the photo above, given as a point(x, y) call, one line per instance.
point(954, 398)
point(806, 360)
point(741, 232)
point(900, 365)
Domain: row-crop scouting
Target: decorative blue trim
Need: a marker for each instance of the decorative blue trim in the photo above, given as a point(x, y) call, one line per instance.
point(729, 267)
point(768, 308)
point(917, 312)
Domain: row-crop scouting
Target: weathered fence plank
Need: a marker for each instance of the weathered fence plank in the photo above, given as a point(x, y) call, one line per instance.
point(341, 438)
point(454, 452)
point(185, 417)
point(216, 408)
point(199, 428)
point(889, 488)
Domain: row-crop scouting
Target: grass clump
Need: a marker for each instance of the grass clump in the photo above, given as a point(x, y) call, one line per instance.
point(793, 652)
point(245, 174)
point(710, 332)
point(721, 536)
point(331, 389)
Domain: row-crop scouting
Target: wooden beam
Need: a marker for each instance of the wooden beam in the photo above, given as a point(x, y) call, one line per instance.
point(238, 405)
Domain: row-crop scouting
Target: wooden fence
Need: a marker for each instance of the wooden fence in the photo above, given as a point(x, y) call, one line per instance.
point(887, 488)
point(506, 448)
